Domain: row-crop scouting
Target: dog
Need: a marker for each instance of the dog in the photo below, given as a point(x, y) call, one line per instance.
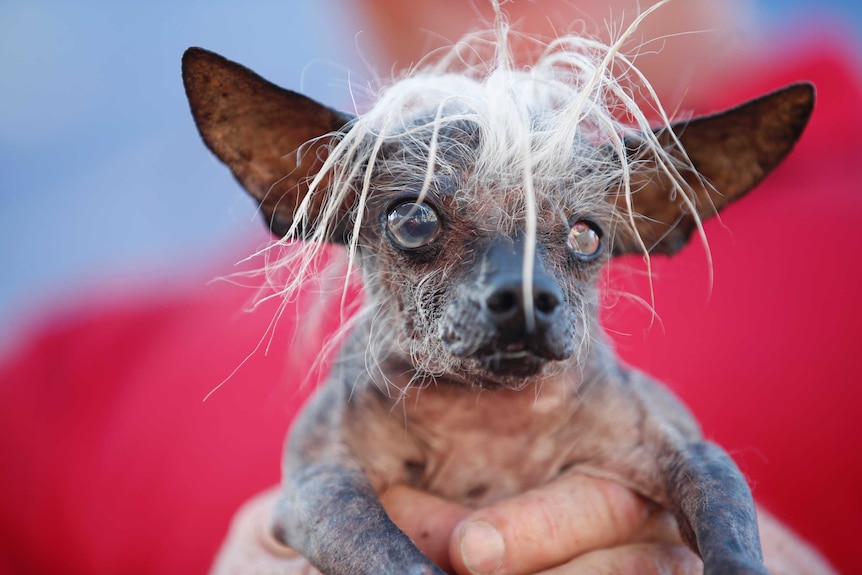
point(480, 201)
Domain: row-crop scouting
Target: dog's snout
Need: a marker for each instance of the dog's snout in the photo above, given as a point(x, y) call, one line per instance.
point(507, 302)
point(509, 321)
point(519, 310)
point(523, 324)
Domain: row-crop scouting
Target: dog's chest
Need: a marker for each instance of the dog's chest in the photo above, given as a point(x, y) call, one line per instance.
point(495, 458)
point(480, 447)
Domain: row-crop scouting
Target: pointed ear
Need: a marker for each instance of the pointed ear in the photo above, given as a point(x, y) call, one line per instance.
point(731, 151)
point(257, 128)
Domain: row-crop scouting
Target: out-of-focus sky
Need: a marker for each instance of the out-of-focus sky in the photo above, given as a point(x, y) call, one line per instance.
point(103, 179)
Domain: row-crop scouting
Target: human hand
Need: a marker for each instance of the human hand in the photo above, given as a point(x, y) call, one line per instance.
point(250, 547)
point(577, 524)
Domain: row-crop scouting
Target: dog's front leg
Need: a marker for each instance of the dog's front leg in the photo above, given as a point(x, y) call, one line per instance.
point(329, 510)
point(330, 514)
point(715, 510)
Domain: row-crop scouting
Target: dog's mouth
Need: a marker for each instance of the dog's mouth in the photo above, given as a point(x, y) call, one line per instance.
point(522, 356)
point(490, 356)
point(520, 364)
point(514, 360)
point(510, 364)
point(513, 368)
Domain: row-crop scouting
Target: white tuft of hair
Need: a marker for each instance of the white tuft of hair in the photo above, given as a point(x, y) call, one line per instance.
point(578, 96)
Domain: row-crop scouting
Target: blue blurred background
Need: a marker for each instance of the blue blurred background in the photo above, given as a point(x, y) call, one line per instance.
point(103, 180)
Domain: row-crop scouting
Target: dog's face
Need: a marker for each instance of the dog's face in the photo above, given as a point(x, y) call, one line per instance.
point(444, 261)
point(480, 237)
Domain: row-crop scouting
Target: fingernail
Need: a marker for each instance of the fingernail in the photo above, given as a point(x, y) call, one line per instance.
point(482, 547)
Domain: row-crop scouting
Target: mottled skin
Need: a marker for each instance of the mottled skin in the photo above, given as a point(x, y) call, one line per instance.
point(454, 441)
point(514, 402)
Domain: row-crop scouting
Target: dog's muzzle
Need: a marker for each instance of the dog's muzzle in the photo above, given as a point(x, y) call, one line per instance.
point(509, 328)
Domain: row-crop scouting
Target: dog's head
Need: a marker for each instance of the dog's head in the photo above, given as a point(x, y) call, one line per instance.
point(481, 208)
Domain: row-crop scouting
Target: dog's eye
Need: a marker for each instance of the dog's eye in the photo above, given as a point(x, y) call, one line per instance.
point(584, 240)
point(412, 225)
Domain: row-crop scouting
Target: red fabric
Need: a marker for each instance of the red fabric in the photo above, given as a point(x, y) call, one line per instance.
point(113, 463)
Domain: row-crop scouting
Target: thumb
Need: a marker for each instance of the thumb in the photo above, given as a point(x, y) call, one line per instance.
point(547, 526)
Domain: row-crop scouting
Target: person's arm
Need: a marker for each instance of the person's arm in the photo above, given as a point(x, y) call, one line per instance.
point(577, 524)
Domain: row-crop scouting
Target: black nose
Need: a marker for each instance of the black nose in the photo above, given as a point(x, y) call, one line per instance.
point(522, 317)
point(507, 308)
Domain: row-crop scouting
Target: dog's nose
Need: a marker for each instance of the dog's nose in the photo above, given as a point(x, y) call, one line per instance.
point(522, 318)
point(507, 308)
point(507, 300)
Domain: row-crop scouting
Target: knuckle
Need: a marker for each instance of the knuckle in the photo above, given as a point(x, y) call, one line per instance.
point(672, 560)
point(548, 519)
point(621, 510)
point(686, 561)
point(657, 559)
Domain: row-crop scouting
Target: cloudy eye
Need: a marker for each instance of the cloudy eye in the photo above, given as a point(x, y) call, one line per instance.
point(584, 240)
point(412, 225)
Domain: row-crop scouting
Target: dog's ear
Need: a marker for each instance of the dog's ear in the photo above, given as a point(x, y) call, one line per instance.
point(257, 128)
point(731, 151)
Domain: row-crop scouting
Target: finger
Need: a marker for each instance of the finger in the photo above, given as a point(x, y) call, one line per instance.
point(427, 519)
point(250, 547)
point(638, 559)
point(660, 527)
point(548, 526)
